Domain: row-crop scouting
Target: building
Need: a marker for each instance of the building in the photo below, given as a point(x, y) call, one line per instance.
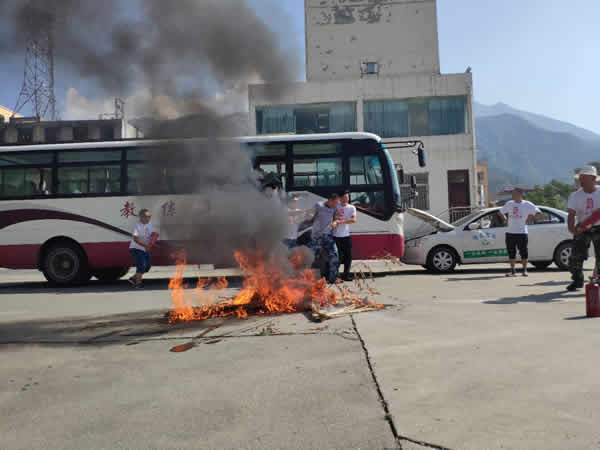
point(483, 195)
point(27, 130)
point(6, 114)
point(374, 66)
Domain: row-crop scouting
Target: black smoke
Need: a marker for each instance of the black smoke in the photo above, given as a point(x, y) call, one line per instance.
point(182, 52)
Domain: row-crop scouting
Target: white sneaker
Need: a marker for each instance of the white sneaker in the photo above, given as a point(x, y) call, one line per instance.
point(525, 274)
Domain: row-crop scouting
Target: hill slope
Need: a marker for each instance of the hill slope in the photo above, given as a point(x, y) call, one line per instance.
point(546, 123)
point(529, 154)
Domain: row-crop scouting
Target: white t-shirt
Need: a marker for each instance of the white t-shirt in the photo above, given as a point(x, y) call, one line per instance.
point(348, 212)
point(517, 215)
point(583, 203)
point(142, 232)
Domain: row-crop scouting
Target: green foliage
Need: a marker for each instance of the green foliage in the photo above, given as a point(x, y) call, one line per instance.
point(554, 194)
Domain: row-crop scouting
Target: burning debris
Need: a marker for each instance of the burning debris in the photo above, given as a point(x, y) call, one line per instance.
point(268, 288)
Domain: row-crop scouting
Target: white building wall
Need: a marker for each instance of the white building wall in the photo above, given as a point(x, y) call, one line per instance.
point(399, 35)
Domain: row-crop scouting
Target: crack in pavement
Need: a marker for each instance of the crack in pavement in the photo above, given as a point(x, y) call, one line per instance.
point(386, 409)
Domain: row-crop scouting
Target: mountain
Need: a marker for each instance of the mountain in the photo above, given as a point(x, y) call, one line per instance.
point(543, 122)
point(517, 151)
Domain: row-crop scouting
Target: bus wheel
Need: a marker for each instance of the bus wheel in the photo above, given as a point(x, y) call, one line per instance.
point(111, 274)
point(65, 263)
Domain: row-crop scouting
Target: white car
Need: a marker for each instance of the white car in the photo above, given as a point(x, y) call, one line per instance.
point(479, 238)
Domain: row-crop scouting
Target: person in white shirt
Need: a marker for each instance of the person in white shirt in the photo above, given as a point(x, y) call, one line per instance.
point(582, 204)
point(139, 248)
point(346, 214)
point(519, 211)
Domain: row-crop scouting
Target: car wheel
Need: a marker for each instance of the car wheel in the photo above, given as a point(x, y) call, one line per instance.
point(562, 254)
point(441, 260)
point(541, 265)
point(111, 274)
point(65, 263)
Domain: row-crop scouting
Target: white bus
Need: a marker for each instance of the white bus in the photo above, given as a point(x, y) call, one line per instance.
point(68, 209)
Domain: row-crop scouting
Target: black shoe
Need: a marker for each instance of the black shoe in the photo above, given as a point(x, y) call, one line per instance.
point(348, 278)
point(574, 286)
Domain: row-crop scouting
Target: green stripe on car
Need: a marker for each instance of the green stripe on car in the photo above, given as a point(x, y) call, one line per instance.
point(485, 253)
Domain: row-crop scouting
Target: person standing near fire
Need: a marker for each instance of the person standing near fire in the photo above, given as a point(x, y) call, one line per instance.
point(519, 212)
point(581, 205)
point(346, 215)
point(323, 223)
point(142, 240)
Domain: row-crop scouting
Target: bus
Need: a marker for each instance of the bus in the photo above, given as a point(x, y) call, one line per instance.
point(68, 209)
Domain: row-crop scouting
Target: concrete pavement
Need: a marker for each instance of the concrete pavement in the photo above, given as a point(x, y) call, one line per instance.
point(469, 360)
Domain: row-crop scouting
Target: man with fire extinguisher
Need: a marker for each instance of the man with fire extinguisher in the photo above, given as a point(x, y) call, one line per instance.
point(584, 207)
point(143, 239)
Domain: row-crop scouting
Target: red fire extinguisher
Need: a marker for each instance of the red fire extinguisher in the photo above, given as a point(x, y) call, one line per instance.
point(592, 298)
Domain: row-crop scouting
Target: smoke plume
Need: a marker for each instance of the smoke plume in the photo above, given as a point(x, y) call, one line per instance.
point(179, 54)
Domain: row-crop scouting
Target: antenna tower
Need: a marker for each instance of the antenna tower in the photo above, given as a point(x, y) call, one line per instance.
point(37, 91)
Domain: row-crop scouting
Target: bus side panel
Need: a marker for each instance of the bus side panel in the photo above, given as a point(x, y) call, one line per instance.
point(363, 246)
point(116, 254)
point(19, 256)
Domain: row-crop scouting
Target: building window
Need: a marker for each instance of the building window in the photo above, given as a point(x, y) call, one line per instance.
point(25, 135)
point(80, 133)
point(416, 117)
point(370, 68)
point(50, 135)
point(306, 119)
point(107, 133)
point(422, 199)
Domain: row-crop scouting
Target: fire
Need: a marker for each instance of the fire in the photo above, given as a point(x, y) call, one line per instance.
point(267, 289)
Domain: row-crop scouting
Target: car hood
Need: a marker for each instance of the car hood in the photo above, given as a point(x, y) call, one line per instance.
point(435, 222)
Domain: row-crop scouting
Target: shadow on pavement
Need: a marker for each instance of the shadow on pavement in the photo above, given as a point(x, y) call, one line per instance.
point(152, 284)
point(493, 277)
point(579, 318)
point(548, 283)
point(548, 297)
point(102, 330)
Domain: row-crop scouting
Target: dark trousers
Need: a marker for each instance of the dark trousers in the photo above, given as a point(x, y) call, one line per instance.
point(514, 241)
point(580, 253)
point(141, 259)
point(344, 245)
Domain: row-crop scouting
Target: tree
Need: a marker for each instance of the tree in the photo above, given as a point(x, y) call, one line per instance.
point(554, 194)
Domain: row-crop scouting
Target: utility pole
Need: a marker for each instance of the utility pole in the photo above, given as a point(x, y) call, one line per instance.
point(37, 91)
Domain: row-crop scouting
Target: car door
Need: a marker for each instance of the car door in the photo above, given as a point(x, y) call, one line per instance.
point(486, 243)
point(546, 231)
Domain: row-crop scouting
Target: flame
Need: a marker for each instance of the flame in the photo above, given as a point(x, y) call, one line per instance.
point(267, 289)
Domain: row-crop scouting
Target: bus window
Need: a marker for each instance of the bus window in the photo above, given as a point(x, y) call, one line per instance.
point(13, 159)
point(267, 149)
point(274, 167)
point(373, 202)
point(318, 148)
point(25, 182)
point(143, 153)
point(365, 170)
point(318, 172)
point(89, 180)
point(89, 156)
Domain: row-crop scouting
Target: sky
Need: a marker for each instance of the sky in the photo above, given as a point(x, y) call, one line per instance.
point(541, 56)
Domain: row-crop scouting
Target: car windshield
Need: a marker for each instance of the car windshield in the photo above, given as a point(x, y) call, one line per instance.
point(464, 220)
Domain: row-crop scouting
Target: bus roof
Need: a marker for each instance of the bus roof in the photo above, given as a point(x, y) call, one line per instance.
point(141, 142)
